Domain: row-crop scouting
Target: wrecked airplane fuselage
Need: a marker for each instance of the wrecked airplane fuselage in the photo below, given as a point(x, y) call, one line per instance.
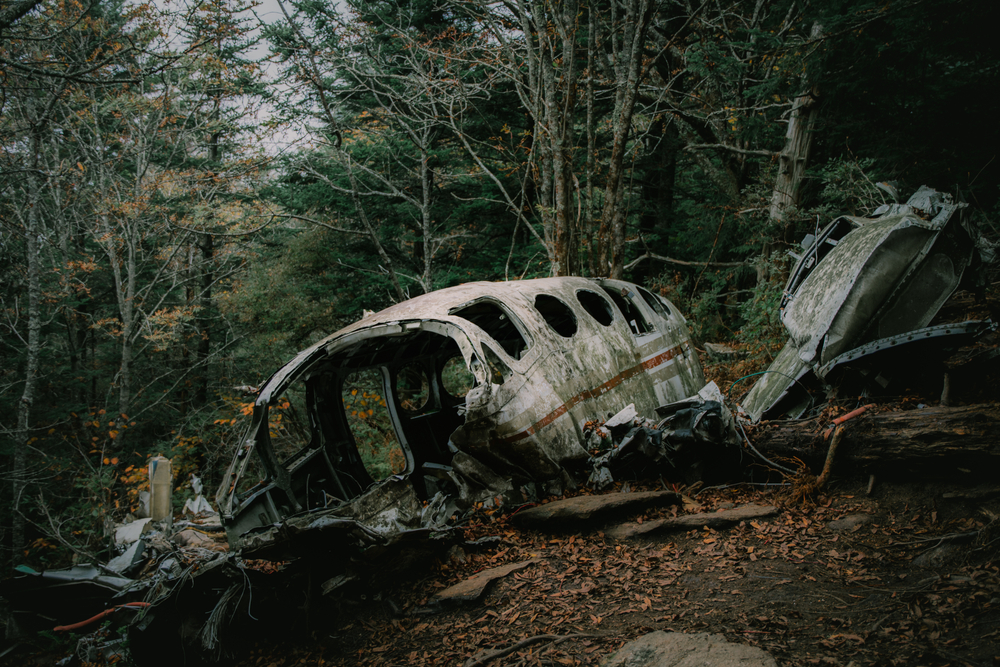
point(447, 395)
point(863, 285)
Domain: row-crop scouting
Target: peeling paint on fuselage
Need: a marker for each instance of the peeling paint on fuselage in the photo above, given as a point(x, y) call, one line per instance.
point(547, 356)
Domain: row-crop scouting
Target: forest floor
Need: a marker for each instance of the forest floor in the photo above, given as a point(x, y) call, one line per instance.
point(907, 574)
point(905, 571)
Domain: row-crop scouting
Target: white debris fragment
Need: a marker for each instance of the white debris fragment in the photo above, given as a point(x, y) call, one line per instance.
point(623, 418)
point(130, 532)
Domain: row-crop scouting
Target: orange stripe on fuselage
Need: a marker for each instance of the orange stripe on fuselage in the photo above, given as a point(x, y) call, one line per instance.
point(644, 367)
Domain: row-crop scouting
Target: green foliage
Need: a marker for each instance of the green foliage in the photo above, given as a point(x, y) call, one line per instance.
point(762, 333)
point(150, 177)
point(371, 425)
point(848, 188)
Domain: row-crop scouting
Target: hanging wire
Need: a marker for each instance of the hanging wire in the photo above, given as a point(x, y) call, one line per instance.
point(762, 457)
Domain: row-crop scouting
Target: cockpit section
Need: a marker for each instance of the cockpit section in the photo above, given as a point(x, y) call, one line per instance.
point(385, 406)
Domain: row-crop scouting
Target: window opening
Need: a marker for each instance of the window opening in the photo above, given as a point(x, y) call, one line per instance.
point(368, 418)
point(498, 323)
point(288, 425)
point(596, 306)
point(412, 387)
point(499, 371)
point(655, 303)
point(557, 315)
point(456, 378)
point(251, 476)
point(623, 299)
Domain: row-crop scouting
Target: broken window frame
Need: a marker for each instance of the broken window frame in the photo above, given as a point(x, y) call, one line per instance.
point(518, 325)
point(655, 303)
point(609, 308)
point(313, 362)
point(627, 304)
point(551, 304)
point(457, 359)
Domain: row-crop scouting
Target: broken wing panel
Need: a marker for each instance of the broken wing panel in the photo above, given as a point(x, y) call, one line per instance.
point(851, 283)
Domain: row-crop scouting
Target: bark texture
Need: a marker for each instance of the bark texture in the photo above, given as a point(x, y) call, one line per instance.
point(931, 435)
point(794, 159)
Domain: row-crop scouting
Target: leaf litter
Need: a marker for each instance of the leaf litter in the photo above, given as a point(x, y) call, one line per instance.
point(787, 583)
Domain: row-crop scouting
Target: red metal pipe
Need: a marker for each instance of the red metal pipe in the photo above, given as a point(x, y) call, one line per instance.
point(94, 619)
point(843, 418)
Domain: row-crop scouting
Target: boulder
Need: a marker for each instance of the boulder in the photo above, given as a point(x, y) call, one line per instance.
point(675, 649)
point(571, 513)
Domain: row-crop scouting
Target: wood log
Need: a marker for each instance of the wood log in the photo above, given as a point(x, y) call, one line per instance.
point(963, 435)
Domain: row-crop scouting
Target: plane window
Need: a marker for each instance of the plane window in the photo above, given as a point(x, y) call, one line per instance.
point(369, 420)
point(655, 303)
point(557, 314)
point(412, 387)
point(290, 431)
point(252, 476)
point(498, 323)
point(623, 299)
point(456, 378)
point(499, 371)
point(596, 306)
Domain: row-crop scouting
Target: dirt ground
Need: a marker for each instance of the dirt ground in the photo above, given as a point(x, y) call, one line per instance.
point(910, 576)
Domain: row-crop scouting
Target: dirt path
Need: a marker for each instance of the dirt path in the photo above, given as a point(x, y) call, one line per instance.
point(806, 591)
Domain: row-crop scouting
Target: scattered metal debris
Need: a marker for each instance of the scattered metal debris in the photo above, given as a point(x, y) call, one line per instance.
point(689, 431)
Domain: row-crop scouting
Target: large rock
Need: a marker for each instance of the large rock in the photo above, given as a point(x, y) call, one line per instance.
point(674, 649)
point(719, 519)
point(473, 588)
point(571, 513)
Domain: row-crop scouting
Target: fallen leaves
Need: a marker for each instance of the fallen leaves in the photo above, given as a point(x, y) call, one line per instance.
point(784, 583)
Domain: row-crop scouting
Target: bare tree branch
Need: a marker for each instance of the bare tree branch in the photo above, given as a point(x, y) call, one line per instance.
point(680, 262)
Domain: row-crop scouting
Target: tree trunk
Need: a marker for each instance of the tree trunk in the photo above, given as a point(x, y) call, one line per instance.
point(33, 352)
point(587, 233)
point(549, 93)
point(628, 70)
point(890, 440)
point(207, 247)
point(794, 159)
point(426, 241)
